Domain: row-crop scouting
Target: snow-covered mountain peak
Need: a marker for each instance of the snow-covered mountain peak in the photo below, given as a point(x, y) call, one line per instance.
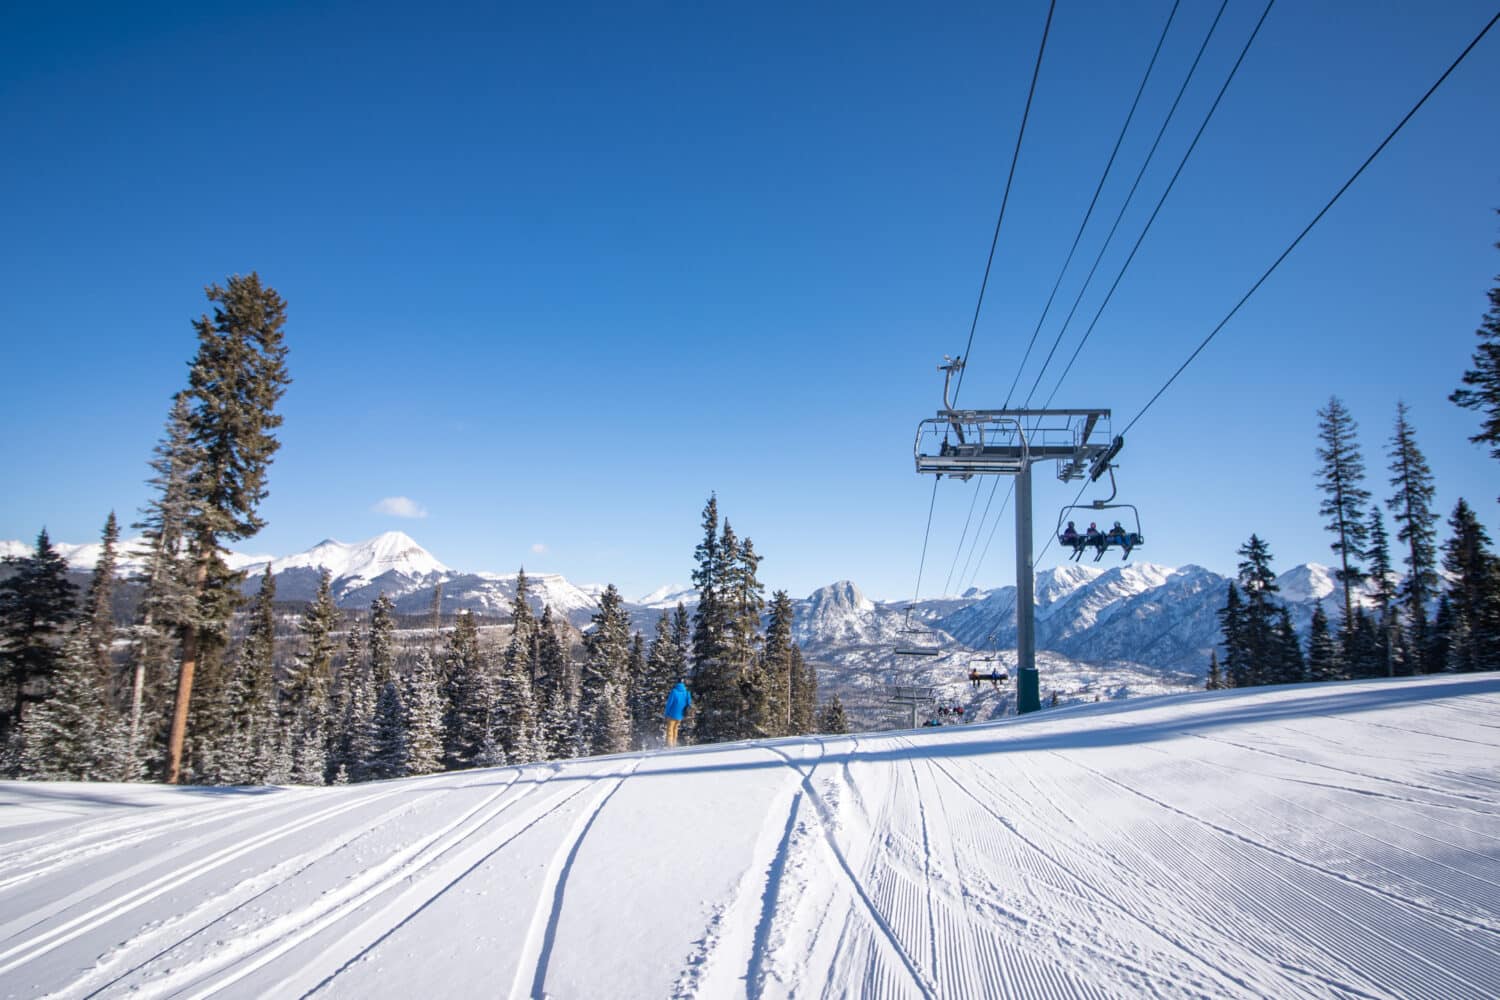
point(841, 596)
point(669, 596)
point(1308, 582)
point(367, 560)
point(1054, 584)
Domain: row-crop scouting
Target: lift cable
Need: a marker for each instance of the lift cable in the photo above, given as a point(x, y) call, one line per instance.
point(1014, 159)
point(1293, 245)
point(1130, 195)
point(926, 536)
point(1089, 214)
point(1170, 184)
point(1046, 309)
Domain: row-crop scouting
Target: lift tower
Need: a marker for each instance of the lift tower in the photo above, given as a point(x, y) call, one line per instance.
point(962, 444)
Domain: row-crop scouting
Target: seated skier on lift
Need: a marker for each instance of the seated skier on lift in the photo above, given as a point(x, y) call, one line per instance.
point(1071, 538)
point(1095, 539)
point(994, 677)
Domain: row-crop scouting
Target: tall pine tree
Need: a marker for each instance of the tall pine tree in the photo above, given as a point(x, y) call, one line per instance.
point(236, 379)
point(715, 686)
point(513, 715)
point(604, 699)
point(98, 605)
point(1341, 474)
point(1411, 507)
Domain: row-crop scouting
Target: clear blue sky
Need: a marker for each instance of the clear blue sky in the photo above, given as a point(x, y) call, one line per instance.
point(556, 272)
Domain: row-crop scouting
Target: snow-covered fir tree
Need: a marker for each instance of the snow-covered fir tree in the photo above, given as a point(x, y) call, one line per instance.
point(715, 685)
point(354, 738)
point(665, 666)
point(423, 700)
point(388, 744)
point(637, 683)
point(1481, 383)
point(74, 734)
point(37, 605)
point(804, 694)
point(382, 640)
point(467, 693)
point(777, 660)
point(603, 708)
point(513, 713)
point(306, 704)
point(556, 692)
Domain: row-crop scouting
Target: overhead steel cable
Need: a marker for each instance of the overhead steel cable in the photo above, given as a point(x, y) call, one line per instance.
point(1161, 201)
point(1089, 214)
point(1005, 198)
point(1015, 158)
point(1129, 196)
point(1046, 309)
point(925, 536)
point(1316, 219)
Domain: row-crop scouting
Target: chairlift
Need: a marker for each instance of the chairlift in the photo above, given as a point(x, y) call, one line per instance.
point(908, 647)
point(1100, 540)
point(985, 667)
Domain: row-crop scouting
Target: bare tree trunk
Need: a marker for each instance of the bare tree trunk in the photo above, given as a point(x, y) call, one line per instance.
point(185, 681)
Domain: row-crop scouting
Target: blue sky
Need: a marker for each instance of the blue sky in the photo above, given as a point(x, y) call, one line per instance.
point(556, 272)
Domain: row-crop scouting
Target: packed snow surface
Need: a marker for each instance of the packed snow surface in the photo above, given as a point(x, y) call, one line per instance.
point(1331, 840)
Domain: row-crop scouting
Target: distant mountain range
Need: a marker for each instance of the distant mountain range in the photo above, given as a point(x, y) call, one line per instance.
point(1136, 613)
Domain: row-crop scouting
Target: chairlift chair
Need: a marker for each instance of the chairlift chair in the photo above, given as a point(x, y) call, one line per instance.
point(1103, 539)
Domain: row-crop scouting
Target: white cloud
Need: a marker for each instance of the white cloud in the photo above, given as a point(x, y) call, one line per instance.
point(539, 548)
point(400, 507)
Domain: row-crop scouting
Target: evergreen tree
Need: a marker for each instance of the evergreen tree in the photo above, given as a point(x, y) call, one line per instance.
point(353, 738)
point(643, 712)
point(261, 710)
point(1473, 595)
point(715, 682)
point(388, 746)
point(1290, 668)
point(423, 701)
point(1385, 595)
point(1483, 380)
point(74, 735)
point(382, 640)
point(1260, 647)
point(1341, 473)
point(235, 381)
point(557, 691)
point(603, 701)
point(1322, 653)
point(1215, 679)
point(513, 715)
point(1362, 653)
point(99, 612)
point(1232, 633)
point(467, 692)
point(778, 665)
point(1411, 506)
point(832, 719)
point(804, 694)
point(37, 603)
point(306, 708)
point(1439, 638)
point(165, 578)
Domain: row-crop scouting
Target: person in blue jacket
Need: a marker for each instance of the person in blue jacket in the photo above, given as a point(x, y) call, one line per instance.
point(678, 701)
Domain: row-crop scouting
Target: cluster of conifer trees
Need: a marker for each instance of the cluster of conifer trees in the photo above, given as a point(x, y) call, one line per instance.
point(1441, 613)
point(197, 688)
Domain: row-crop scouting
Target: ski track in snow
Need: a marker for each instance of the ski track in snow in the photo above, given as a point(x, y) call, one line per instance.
point(1290, 854)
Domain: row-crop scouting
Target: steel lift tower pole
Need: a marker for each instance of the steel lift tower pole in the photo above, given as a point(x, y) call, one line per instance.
point(962, 444)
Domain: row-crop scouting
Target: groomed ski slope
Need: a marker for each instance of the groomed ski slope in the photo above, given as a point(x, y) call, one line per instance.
point(1331, 840)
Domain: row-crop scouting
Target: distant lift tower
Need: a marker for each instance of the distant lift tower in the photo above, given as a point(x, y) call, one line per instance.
point(966, 443)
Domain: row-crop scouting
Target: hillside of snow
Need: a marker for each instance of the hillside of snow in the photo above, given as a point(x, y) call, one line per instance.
point(1307, 841)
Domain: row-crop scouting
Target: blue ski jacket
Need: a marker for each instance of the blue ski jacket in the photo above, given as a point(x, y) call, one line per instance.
point(677, 702)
